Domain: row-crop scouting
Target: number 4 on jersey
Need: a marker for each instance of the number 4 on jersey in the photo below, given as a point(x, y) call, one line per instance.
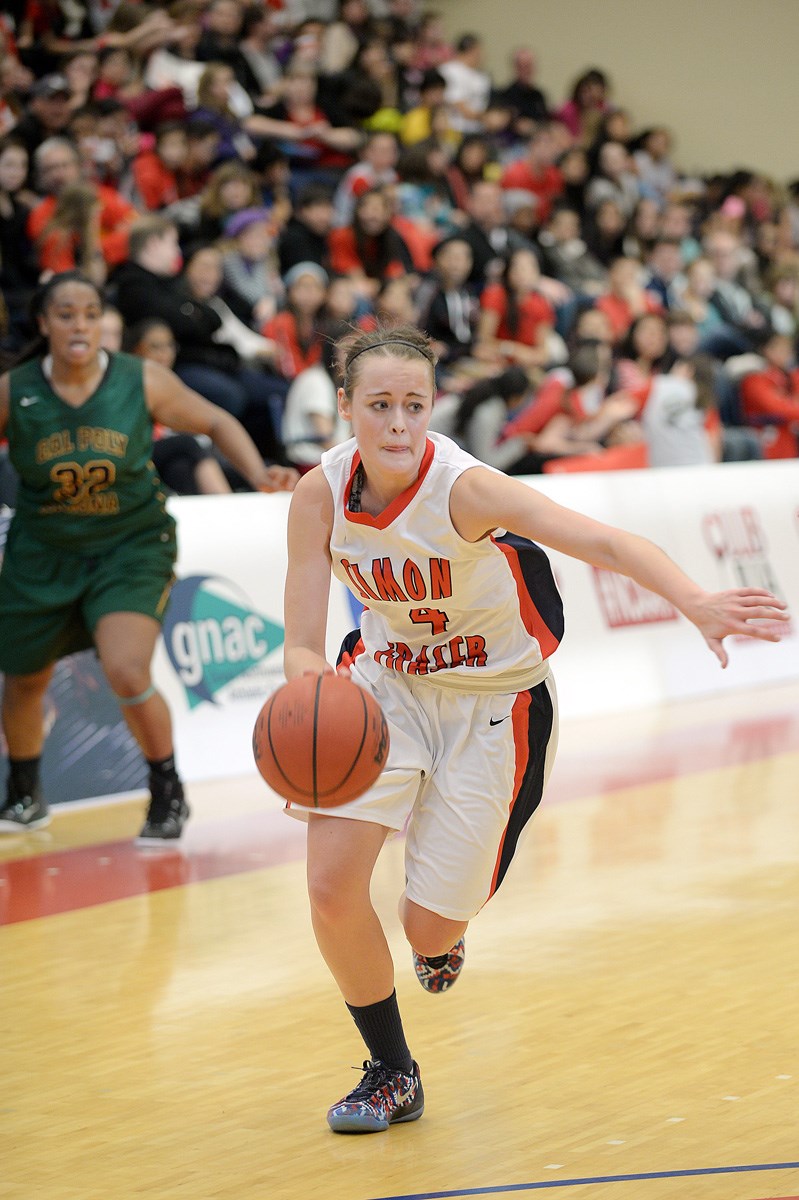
point(434, 617)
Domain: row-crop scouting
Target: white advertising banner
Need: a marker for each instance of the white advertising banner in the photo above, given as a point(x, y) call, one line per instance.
point(624, 648)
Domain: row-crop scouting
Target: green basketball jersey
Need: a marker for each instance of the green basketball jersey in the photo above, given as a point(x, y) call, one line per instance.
point(86, 476)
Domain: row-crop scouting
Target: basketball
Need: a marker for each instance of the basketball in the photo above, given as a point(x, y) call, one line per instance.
point(320, 740)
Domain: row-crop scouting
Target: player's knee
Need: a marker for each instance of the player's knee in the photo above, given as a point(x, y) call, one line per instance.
point(19, 688)
point(429, 933)
point(127, 678)
point(332, 896)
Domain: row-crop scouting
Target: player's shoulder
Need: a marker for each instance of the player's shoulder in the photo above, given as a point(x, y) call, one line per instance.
point(311, 514)
point(312, 490)
point(448, 454)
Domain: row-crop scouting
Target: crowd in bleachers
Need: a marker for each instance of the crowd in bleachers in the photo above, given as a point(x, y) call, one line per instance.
point(249, 182)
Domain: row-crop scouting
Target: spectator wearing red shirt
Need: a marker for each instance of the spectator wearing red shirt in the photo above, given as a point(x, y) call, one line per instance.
point(297, 331)
point(547, 402)
point(626, 297)
point(515, 319)
point(369, 250)
point(57, 167)
point(156, 171)
point(643, 354)
point(770, 399)
point(572, 414)
point(537, 173)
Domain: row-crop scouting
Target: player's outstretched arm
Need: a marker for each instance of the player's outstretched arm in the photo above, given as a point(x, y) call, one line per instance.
point(482, 501)
point(180, 408)
point(307, 590)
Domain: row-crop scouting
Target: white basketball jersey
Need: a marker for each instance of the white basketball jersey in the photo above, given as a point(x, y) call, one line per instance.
point(477, 616)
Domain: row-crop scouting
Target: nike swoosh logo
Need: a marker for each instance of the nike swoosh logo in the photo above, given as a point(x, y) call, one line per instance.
point(499, 722)
point(25, 401)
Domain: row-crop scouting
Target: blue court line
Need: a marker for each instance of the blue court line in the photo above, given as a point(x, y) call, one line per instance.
point(506, 1189)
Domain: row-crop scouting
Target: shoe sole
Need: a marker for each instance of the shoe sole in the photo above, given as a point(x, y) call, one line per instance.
point(156, 841)
point(16, 827)
point(348, 1125)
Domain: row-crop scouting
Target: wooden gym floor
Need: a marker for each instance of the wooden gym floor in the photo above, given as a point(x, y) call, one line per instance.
point(625, 1028)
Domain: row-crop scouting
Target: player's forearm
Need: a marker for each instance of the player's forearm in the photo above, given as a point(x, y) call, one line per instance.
point(298, 659)
point(236, 445)
point(652, 568)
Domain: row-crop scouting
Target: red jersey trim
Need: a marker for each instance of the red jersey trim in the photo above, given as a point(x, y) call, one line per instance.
point(396, 507)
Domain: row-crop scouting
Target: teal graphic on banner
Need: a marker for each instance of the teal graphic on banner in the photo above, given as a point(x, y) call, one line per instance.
point(214, 637)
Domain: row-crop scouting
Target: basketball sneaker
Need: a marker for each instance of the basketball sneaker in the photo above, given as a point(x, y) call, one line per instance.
point(382, 1098)
point(167, 814)
point(23, 812)
point(435, 975)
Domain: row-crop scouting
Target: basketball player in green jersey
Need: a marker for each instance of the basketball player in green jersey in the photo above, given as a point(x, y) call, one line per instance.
point(91, 547)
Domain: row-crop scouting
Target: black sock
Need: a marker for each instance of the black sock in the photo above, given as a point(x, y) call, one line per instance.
point(23, 775)
point(380, 1026)
point(162, 768)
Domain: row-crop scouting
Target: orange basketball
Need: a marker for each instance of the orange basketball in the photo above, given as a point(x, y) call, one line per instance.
point(320, 740)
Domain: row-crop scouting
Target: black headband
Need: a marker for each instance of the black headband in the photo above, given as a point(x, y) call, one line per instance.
point(389, 342)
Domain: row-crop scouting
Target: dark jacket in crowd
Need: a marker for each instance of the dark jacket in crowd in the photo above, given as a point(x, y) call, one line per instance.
point(297, 243)
point(140, 294)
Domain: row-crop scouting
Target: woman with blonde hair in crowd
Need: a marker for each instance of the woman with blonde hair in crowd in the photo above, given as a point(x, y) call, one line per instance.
point(232, 188)
point(71, 238)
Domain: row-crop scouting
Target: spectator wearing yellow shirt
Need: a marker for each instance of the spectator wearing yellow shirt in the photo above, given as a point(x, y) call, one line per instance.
point(418, 123)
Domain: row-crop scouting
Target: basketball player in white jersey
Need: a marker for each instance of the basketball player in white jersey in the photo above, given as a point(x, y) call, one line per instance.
point(458, 625)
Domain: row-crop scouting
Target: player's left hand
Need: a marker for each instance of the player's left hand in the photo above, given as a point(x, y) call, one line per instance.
point(743, 612)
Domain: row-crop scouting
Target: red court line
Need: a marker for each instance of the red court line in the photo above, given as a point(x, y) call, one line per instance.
point(65, 880)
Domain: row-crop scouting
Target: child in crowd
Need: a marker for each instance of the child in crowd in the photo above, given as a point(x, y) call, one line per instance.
point(252, 280)
point(448, 310)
